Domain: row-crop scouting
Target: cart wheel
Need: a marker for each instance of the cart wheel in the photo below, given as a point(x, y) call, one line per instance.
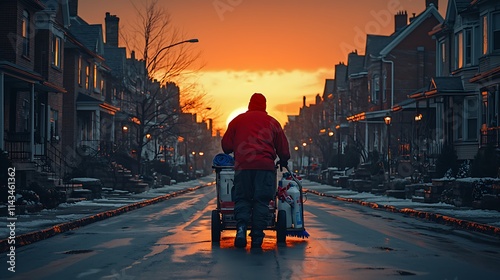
point(216, 226)
point(281, 227)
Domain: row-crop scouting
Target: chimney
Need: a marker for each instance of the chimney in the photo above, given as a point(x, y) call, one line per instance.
point(413, 17)
point(434, 2)
point(400, 20)
point(111, 22)
point(73, 8)
point(303, 102)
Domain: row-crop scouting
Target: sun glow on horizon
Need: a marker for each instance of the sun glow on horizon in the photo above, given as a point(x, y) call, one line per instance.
point(234, 114)
point(283, 89)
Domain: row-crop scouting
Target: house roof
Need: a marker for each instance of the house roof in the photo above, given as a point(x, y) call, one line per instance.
point(355, 64)
point(374, 44)
point(440, 86)
point(329, 87)
point(90, 35)
point(405, 32)
point(116, 59)
point(447, 83)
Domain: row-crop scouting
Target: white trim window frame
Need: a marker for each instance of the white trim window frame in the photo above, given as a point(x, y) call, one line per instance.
point(471, 118)
point(495, 32)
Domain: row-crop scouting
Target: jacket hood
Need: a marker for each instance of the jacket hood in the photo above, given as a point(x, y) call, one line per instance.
point(257, 102)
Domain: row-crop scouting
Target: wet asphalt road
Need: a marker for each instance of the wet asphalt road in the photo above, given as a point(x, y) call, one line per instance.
point(171, 240)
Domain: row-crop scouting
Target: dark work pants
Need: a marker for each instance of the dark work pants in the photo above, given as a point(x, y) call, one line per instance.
point(253, 190)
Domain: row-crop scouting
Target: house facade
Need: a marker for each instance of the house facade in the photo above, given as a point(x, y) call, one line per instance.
point(465, 89)
point(394, 67)
point(66, 94)
point(31, 82)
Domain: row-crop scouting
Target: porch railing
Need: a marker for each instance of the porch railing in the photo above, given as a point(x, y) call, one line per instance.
point(18, 146)
point(490, 136)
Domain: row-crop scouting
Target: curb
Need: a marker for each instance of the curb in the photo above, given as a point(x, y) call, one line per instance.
point(32, 237)
point(438, 218)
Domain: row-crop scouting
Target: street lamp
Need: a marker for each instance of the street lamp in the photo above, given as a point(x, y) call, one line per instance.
point(304, 144)
point(387, 121)
point(153, 60)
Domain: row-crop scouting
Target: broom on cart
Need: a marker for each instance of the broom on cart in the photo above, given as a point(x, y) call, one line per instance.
point(291, 198)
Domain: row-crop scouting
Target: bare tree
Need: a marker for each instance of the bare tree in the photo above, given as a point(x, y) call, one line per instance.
point(167, 60)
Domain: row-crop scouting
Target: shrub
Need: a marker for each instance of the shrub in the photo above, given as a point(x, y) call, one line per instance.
point(485, 163)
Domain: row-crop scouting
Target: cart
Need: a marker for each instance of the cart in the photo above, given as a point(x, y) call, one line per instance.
point(223, 217)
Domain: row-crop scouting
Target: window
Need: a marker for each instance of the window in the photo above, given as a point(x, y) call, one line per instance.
point(468, 47)
point(471, 114)
point(459, 120)
point(490, 107)
point(56, 52)
point(95, 77)
point(79, 70)
point(441, 66)
point(485, 34)
point(54, 124)
point(375, 88)
point(87, 77)
point(496, 31)
point(25, 33)
point(385, 87)
point(459, 51)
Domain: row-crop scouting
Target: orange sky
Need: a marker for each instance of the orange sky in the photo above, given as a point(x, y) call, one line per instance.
point(284, 49)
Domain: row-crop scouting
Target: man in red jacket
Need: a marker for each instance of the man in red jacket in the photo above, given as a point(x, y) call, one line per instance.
point(256, 139)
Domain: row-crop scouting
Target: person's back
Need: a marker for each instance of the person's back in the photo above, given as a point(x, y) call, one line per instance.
point(256, 139)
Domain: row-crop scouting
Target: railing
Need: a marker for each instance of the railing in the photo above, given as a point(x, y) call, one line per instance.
point(490, 136)
point(18, 146)
point(57, 161)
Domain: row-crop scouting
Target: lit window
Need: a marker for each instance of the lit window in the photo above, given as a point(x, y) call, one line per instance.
point(485, 34)
point(87, 76)
point(25, 33)
point(95, 76)
point(459, 55)
point(80, 70)
point(56, 52)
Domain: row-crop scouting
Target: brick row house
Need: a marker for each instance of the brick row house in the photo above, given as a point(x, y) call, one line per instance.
point(433, 82)
point(66, 94)
point(466, 86)
point(378, 84)
point(31, 80)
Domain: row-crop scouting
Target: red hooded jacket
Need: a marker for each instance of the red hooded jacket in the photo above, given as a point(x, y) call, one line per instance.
point(255, 138)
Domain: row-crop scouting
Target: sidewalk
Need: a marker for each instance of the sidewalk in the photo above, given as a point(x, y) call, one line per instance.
point(47, 223)
point(484, 221)
point(30, 228)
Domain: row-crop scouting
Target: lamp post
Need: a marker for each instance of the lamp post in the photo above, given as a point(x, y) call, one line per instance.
point(153, 60)
point(387, 121)
point(304, 144)
point(418, 118)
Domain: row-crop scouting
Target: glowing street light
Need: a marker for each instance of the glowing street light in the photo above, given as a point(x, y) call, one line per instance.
point(387, 121)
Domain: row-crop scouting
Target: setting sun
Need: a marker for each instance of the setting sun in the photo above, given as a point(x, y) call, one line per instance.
point(234, 114)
